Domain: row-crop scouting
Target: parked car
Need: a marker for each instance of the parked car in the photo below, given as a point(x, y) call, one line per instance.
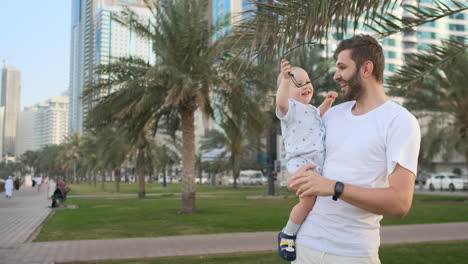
point(250, 177)
point(447, 181)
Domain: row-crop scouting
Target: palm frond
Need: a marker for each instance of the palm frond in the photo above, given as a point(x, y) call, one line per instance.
point(284, 24)
point(388, 24)
point(421, 66)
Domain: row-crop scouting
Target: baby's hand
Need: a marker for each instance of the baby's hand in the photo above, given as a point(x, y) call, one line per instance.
point(327, 103)
point(331, 97)
point(285, 68)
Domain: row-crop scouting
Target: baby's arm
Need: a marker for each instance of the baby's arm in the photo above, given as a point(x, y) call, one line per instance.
point(282, 94)
point(327, 103)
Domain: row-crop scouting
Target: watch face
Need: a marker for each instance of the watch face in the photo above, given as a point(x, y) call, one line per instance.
point(339, 188)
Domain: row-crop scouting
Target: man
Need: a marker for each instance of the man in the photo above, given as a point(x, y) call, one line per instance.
point(9, 187)
point(372, 148)
point(39, 183)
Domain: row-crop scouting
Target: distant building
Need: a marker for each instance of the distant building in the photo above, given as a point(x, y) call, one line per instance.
point(10, 100)
point(2, 116)
point(25, 130)
point(96, 39)
point(43, 124)
point(50, 122)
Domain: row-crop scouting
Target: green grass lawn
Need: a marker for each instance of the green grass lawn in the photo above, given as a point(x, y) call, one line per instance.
point(427, 253)
point(109, 188)
point(219, 211)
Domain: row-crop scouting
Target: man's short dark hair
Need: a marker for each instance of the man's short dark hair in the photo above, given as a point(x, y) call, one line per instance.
point(364, 48)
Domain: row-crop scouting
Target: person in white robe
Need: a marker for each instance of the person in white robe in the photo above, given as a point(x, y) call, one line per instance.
point(9, 187)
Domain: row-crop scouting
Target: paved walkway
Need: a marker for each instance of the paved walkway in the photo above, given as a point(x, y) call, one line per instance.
point(23, 214)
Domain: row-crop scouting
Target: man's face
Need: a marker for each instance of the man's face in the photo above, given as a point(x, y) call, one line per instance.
point(305, 93)
point(347, 74)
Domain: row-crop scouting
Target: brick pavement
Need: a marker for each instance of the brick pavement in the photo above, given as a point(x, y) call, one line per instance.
point(137, 248)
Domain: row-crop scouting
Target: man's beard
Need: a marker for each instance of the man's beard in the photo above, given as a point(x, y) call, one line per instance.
point(355, 89)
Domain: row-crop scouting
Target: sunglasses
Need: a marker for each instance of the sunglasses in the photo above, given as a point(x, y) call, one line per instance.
point(292, 75)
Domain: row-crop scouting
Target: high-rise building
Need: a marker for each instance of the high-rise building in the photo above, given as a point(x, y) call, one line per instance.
point(50, 122)
point(2, 116)
point(25, 130)
point(97, 39)
point(42, 124)
point(11, 94)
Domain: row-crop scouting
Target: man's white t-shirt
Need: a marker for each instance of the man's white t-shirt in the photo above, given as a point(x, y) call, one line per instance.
point(360, 150)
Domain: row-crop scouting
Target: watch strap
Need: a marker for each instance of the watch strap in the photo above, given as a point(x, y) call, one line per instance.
point(339, 188)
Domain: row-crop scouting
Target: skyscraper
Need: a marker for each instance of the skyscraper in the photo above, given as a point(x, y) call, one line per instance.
point(96, 39)
point(11, 94)
point(25, 130)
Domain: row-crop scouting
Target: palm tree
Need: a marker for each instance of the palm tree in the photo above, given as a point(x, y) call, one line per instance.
point(185, 72)
point(435, 82)
point(239, 114)
point(73, 145)
point(113, 148)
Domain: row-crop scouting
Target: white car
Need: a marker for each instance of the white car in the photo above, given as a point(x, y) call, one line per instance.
point(250, 177)
point(447, 181)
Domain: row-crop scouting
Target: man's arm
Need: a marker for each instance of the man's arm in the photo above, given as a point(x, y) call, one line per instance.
point(394, 200)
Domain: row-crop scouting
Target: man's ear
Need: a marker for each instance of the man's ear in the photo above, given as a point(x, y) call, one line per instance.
point(367, 69)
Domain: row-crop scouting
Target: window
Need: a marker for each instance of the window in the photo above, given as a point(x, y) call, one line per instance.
point(427, 35)
point(390, 67)
point(389, 42)
point(390, 54)
point(409, 33)
point(456, 27)
point(460, 16)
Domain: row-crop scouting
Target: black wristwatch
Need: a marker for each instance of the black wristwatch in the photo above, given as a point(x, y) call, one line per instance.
point(339, 188)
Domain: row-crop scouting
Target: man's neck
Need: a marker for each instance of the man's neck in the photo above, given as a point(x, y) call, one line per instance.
point(373, 97)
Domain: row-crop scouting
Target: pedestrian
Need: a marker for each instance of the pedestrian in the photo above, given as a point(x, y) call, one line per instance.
point(39, 183)
point(370, 165)
point(304, 134)
point(9, 187)
point(60, 193)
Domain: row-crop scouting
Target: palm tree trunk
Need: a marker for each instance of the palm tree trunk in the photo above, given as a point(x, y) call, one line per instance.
point(164, 178)
point(103, 180)
point(94, 179)
point(188, 159)
point(117, 179)
point(169, 173)
point(141, 173)
point(234, 172)
point(74, 171)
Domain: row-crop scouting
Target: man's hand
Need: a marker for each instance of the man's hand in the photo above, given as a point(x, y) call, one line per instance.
point(308, 183)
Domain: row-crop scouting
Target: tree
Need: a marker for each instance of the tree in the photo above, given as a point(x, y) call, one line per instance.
point(113, 148)
point(186, 67)
point(434, 83)
point(73, 151)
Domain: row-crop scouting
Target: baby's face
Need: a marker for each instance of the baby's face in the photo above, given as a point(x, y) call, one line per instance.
point(305, 93)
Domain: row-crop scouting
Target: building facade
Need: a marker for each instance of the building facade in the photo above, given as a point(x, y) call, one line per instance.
point(25, 130)
point(50, 124)
point(43, 124)
point(97, 39)
point(10, 100)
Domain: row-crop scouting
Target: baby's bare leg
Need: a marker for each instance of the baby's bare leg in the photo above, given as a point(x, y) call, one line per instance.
point(302, 209)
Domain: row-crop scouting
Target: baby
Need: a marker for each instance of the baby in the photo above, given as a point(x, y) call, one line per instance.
point(304, 140)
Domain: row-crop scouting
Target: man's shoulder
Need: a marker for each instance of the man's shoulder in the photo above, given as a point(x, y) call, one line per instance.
point(339, 108)
point(398, 111)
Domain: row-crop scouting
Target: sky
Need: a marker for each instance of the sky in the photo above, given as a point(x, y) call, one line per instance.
point(35, 38)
